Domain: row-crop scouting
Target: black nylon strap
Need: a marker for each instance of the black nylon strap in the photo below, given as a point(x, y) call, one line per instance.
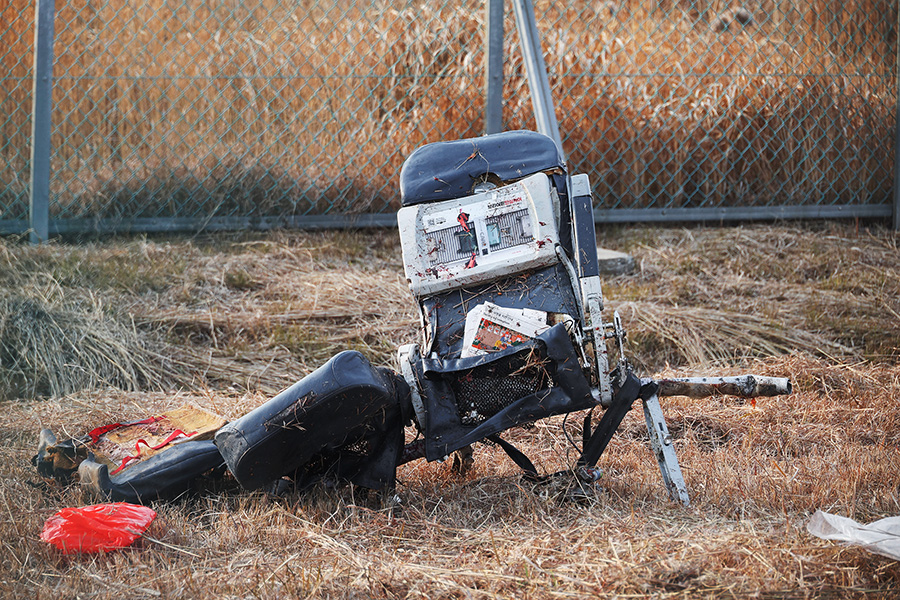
point(609, 423)
point(517, 457)
point(586, 428)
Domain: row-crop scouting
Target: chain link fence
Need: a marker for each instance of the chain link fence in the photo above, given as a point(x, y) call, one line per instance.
point(191, 114)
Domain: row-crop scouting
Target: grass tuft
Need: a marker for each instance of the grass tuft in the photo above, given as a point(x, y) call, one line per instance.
point(56, 345)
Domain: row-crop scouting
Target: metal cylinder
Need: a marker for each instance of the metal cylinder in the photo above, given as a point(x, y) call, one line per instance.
point(742, 386)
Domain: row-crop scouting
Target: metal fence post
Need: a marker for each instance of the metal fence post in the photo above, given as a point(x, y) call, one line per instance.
point(493, 75)
point(897, 159)
point(897, 130)
point(42, 95)
point(536, 71)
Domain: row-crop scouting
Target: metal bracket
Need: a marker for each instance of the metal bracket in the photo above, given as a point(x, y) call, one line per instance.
point(618, 331)
point(406, 356)
point(661, 444)
point(588, 277)
point(594, 310)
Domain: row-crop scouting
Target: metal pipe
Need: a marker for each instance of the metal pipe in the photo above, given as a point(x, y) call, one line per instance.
point(661, 444)
point(536, 71)
point(897, 127)
point(742, 386)
point(493, 75)
point(42, 95)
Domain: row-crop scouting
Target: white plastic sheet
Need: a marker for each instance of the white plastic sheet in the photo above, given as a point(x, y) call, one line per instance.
point(881, 537)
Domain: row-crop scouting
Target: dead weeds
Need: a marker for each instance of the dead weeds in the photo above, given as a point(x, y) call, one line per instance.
point(756, 472)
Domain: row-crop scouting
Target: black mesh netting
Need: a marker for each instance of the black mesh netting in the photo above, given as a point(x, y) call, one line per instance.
point(484, 391)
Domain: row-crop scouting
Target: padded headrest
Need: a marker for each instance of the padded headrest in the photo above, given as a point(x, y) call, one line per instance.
point(448, 170)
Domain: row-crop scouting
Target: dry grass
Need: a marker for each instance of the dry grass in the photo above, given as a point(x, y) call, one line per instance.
point(829, 290)
point(250, 314)
point(55, 346)
point(254, 312)
point(273, 109)
point(248, 310)
point(756, 474)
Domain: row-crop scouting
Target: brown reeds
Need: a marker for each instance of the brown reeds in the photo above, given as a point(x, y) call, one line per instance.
point(164, 111)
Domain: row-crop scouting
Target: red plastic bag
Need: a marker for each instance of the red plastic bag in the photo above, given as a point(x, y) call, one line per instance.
point(97, 528)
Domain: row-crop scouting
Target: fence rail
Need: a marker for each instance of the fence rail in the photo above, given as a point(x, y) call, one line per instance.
point(209, 114)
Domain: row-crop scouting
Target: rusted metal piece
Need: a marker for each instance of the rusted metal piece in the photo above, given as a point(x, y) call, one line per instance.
point(742, 386)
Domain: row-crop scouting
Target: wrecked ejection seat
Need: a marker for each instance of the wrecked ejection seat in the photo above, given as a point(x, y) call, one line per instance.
point(500, 253)
point(498, 246)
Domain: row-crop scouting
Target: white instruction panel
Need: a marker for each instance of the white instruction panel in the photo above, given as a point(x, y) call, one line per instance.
point(479, 238)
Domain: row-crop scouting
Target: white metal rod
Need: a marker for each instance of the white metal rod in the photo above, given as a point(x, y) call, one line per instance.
point(536, 71)
point(743, 386)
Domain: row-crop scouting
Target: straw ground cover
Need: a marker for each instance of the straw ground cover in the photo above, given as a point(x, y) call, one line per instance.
point(237, 315)
point(270, 108)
